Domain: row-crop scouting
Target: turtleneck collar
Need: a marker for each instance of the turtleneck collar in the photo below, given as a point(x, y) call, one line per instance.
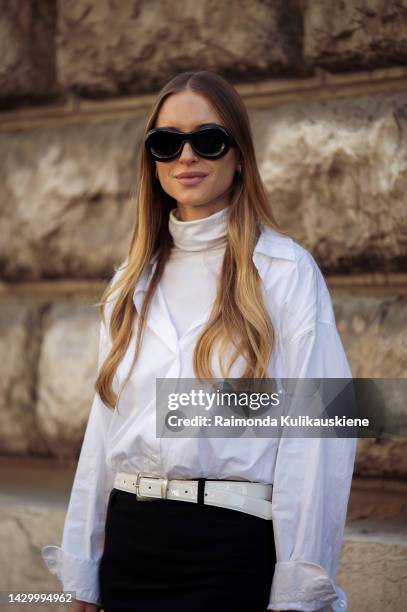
point(200, 234)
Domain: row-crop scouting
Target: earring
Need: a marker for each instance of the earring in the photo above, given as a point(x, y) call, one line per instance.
point(239, 170)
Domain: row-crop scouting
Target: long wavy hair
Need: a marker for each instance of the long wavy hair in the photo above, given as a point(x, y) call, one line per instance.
point(238, 318)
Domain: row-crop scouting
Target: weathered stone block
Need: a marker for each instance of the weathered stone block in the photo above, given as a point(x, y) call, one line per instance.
point(373, 557)
point(382, 457)
point(24, 529)
point(20, 338)
point(374, 332)
point(64, 199)
point(336, 173)
point(373, 569)
point(27, 51)
point(134, 47)
point(66, 373)
point(355, 34)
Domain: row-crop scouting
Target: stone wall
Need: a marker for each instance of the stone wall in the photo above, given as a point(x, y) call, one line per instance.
point(374, 552)
point(325, 84)
point(336, 175)
point(377, 560)
point(335, 172)
point(326, 88)
point(333, 160)
point(101, 48)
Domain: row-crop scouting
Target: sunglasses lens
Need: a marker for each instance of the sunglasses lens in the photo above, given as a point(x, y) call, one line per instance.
point(163, 144)
point(210, 142)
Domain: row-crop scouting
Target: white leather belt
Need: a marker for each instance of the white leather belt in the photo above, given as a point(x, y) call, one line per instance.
point(244, 496)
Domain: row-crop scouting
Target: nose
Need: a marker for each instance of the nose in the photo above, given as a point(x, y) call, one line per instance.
point(187, 152)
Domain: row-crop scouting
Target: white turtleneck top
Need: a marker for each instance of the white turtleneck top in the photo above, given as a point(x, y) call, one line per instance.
point(190, 274)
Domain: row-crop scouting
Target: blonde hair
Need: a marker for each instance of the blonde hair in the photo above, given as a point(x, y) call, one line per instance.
point(239, 317)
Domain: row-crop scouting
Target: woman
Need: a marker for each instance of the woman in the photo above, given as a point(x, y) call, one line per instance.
point(210, 288)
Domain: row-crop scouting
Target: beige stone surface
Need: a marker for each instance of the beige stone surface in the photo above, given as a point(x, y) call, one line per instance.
point(374, 332)
point(372, 571)
point(66, 373)
point(335, 172)
point(24, 529)
point(27, 51)
point(380, 499)
point(64, 196)
point(106, 50)
point(386, 457)
point(49, 360)
point(20, 338)
point(355, 34)
point(49, 357)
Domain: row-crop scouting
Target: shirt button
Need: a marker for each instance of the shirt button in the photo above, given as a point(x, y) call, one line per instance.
point(341, 603)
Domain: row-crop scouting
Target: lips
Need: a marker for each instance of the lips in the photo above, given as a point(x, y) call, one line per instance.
point(190, 178)
point(191, 181)
point(190, 175)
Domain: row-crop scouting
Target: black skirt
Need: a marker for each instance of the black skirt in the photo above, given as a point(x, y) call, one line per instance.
point(175, 556)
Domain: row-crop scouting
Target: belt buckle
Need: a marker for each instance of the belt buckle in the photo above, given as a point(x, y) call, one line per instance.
point(148, 475)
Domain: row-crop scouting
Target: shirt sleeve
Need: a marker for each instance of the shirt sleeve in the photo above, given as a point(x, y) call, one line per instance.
point(75, 563)
point(311, 488)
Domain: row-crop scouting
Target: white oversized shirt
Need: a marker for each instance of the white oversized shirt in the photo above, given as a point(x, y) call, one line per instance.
point(311, 477)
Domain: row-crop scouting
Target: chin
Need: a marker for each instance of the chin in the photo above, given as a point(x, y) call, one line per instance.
point(192, 201)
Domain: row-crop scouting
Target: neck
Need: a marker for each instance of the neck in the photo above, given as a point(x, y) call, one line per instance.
point(192, 213)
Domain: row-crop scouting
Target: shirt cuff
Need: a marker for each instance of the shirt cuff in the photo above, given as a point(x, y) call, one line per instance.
point(305, 586)
point(78, 575)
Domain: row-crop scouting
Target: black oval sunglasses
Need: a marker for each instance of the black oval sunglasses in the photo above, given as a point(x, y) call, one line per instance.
point(211, 141)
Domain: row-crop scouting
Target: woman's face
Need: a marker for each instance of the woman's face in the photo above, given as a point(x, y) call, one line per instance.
point(185, 111)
